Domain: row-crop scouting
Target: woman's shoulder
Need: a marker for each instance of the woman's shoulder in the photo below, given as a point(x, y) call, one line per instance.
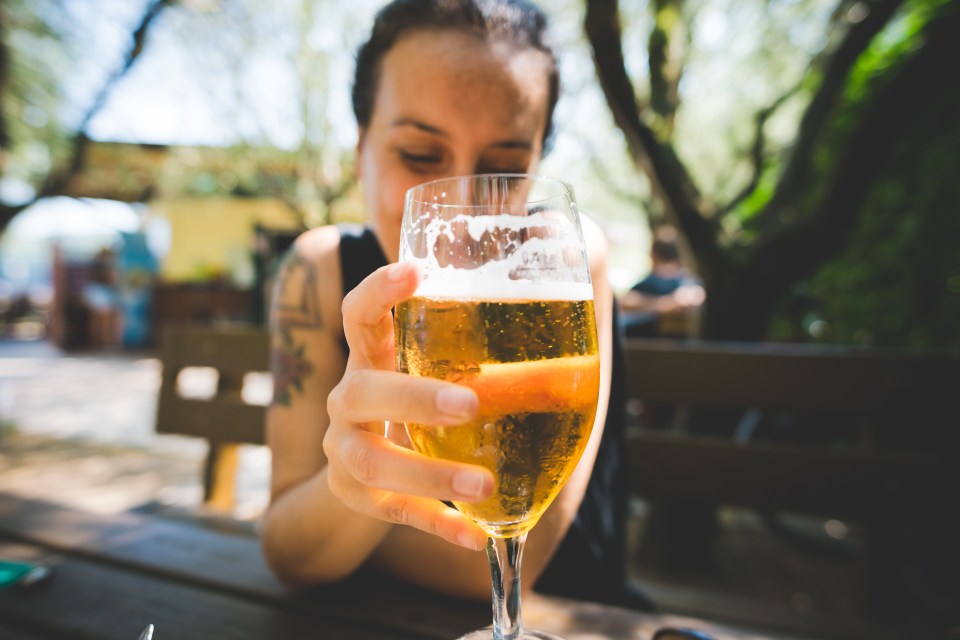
point(595, 238)
point(318, 243)
point(307, 292)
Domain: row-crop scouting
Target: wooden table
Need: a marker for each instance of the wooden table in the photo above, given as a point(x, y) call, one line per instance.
point(114, 574)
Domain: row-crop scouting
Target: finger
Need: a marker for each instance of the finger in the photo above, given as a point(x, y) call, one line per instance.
point(425, 514)
point(432, 517)
point(370, 395)
point(373, 461)
point(367, 323)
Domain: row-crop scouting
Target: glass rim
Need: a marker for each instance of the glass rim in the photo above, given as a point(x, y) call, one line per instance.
point(566, 189)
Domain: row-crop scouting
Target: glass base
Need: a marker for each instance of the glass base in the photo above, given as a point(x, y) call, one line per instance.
point(528, 634)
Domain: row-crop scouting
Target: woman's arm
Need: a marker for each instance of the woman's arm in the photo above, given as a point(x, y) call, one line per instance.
point(337, 484)
point(683, 298)
point(305, 525)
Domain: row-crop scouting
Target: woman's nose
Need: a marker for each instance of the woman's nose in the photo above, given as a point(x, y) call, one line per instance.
point(465, 166)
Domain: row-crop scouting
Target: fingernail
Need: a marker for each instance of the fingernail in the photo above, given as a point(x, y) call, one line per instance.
point(464, 539)
point(456, 402)
point(470, 484)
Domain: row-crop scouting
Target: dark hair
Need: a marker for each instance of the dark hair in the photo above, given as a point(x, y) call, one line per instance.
point(664, 246)
point(516, 21)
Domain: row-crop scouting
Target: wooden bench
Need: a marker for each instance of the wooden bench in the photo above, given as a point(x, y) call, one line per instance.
point(225, 419)
point(882, 450)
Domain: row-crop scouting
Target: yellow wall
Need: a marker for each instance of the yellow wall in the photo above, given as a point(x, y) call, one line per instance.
point(215, 235)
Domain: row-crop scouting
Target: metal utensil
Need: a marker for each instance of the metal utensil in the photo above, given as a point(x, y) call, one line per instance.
point(147, 634)
point(36, 575)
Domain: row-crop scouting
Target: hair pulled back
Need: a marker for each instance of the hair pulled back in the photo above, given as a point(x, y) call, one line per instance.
point(516, 21)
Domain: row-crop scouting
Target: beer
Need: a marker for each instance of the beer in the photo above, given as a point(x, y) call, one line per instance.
point(535, 368)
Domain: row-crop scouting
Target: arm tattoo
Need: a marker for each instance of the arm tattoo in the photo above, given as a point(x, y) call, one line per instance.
point(296, 305)
point(290, 367)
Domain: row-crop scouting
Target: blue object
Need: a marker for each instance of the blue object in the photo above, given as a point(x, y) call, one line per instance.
point(136, 268)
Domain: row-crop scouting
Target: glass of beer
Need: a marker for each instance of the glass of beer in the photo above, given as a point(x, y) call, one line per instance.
point(505, 307)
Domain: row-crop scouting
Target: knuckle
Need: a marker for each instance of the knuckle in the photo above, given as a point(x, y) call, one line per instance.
point(408, 399)
point(349, 304)
point(361, 462)
point(329, 445)
point(396, 510)
point(350, 390)
point(433, 526)
point(334, 401)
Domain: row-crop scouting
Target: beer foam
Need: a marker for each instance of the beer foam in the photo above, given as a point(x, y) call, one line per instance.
point(534, 257)
point(439, 287)
point(478, 225)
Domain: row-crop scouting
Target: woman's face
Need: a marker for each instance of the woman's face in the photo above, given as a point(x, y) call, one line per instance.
point(448, 103)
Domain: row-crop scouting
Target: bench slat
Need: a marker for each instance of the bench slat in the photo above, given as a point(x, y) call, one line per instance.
point(785, 376)
point(224, 419)
point(835, 483)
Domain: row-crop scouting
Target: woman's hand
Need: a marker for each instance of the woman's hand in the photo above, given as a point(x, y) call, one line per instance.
point(379, 476)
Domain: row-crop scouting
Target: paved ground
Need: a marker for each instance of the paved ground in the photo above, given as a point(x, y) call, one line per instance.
point(78, 429)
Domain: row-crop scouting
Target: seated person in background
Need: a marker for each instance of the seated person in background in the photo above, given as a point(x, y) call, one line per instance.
point(667, 300)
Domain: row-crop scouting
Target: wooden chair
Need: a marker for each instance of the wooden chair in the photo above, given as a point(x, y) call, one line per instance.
point(884, 460)
point(225, 420)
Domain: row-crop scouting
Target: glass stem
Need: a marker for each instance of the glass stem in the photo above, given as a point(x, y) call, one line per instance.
point(504, 555)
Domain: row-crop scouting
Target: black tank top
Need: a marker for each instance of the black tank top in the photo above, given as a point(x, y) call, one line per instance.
point(590, 563)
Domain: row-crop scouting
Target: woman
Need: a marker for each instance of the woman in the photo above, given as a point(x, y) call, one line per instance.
point(441, 88)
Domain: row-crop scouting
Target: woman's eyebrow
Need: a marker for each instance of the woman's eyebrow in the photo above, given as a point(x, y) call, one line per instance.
point(524, 145)
point(423, 126)
point(519, 143)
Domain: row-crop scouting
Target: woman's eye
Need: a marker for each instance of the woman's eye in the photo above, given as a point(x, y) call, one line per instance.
point(504, 165)
point(420, 160)
point(504, 169)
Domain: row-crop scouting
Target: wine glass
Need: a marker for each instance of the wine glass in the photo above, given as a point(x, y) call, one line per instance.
point(505, 306)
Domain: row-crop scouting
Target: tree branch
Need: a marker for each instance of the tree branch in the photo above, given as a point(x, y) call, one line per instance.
point(665, 65)
point(669, 179)
point(57, 180)
point(792, 184)
point(4, 87)
point(757, 151)
point(604, 174)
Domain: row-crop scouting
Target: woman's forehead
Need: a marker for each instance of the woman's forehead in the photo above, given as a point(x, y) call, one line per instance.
point(451, 54)
point(432, 64)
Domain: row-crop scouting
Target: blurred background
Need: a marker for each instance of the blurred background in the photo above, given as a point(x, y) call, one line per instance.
point(157, 148)
point(158, 156)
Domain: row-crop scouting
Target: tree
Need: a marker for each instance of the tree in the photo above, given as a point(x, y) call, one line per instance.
point(801, 204)
point(301, 44)
point(304, 166)
point(62, 167)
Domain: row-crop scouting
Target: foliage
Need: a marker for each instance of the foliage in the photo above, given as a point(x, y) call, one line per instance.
point(895, 284)
point(826, 159)
point(898, 282)
point(34, 50)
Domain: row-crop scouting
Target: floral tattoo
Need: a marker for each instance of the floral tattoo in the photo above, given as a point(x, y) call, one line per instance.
point(296, 306)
